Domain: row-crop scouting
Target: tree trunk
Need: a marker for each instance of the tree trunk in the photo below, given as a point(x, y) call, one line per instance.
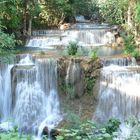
point(25, 18)
point(62, 19)
point(30, 27)
point(129, 18)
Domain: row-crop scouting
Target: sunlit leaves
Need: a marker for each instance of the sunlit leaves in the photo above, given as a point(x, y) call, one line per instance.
point(137, 12)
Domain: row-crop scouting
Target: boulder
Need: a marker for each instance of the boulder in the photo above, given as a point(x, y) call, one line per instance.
point(55, 131)
point(64, 26)
point(119, 41)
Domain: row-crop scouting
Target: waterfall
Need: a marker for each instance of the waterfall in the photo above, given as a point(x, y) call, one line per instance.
point(47, 74)
point(126, 61)
point(6, 97)
point(44, 42)
point(86, 34)
point(25, 60)
point(37, 101)
point(119, 91)
point(85, 25)
point(90, 37)
point(5, 89)
point(33, 103)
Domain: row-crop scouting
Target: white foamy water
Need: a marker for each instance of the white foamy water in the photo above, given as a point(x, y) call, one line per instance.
point(6, 126)
point(119, 91)
point(86, 34)
point(124, 132)
point(5, 90)
point(119, 94)
point(27, 60)
point(33, 103)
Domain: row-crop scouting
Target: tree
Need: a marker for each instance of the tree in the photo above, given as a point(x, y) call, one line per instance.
point(17, 15)
point(7, 43)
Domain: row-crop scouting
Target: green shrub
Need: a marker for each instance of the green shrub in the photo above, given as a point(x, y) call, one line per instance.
point(90, 82)
point(112, 125)
point(93, 54)
point(129, 44)
point(89, 131)
point(72, 48)
point(135, 53)
point(70, 91)
point(137, 12)
point(13, 135)
point(7, 42)
point(112, 11)
point(7, 45)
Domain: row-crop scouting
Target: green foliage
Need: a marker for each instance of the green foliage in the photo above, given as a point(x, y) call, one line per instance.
point(93, 54)
point(90, 82)
point(135, 53)
point(137, 12)
point(112, 11)
point(7, 42)
point(9, 12)
point(7, 45)
point(59, 137)
point(73, 119)
point(87, 8)
point(87, 131)
point(90, 131)
point(67, 88)
point(13, 135)
point(112, 125)
point(70, 91)
point(129, 44)
point(15, 14)
point(52, 12)
point(72, 48)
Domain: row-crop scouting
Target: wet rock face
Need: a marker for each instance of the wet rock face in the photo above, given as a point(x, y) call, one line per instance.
point(55, 131)
point(77, 75)
point(74, 79)
point(84, 81)
point(13, 85)
point(64, 26)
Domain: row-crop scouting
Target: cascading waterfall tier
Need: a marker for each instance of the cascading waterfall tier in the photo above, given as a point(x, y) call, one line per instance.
point(119, 90)
point(5, 90)
point(5, 96)
point(84, 33)
point(33, 103)
point(125, 61)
